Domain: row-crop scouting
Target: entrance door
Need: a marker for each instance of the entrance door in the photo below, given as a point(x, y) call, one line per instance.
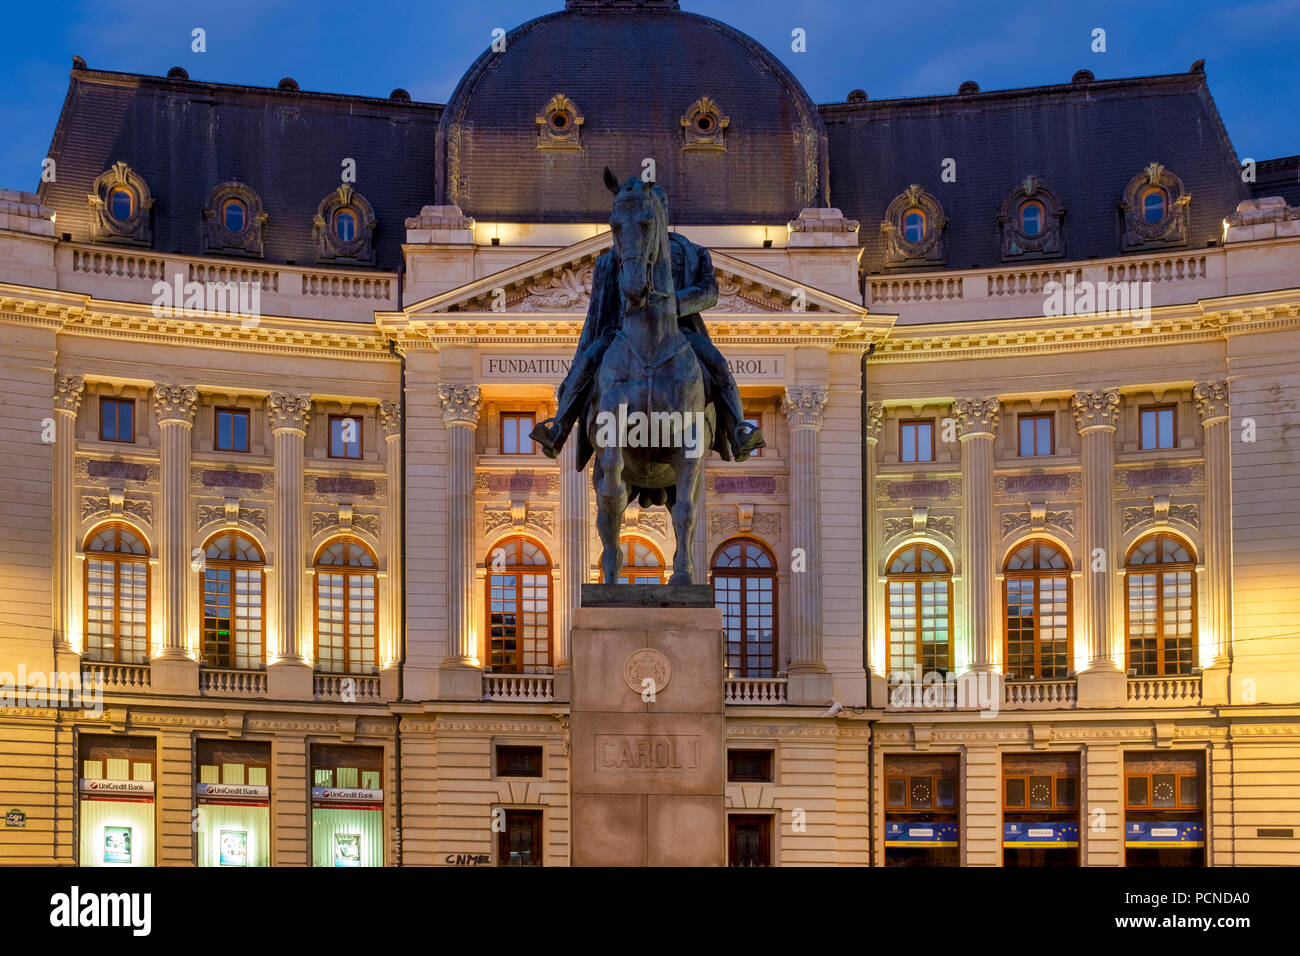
point(749, 840)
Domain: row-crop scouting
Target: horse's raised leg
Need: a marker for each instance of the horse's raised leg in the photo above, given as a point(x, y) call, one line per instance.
point(688, 472)
point(611, 502)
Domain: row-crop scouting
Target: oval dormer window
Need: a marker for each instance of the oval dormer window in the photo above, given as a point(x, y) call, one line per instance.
point(121, 203)
point(345, 225)
point(914, 225)
point(234, 215)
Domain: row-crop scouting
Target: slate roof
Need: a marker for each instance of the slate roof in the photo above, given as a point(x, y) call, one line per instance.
point(1084, 140)
point(186, 137)
point(1278, 177)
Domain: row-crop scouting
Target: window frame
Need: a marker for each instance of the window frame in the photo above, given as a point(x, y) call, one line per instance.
point(356, 223)
point(106, 400)
point(925, 224)
point(1036, 417)
point(531, 417)
point(1160, 569)
point(1056, 805)
point(533, 749)
point(1164, 204)
point(903, 423)
point(347, 571)
point(1042, 218)
point(1036, 574)
point(918, 576)
point(220, 410)
point(361, 437)
point(933, 779)
point(746, 574)
point(116, 558)
point(517, 569)
point(225, 212)
point(1178, 804)
point(1172, 409)
point(232, 566)
point(767, 774)
point(132, 200)
point(538, 837)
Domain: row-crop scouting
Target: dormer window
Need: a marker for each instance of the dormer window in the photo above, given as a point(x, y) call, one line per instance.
point(1154, 211)
point(1031, 218)
point(559, 124)
point(704, 126)
point(121, 203)
point(913, 230)
point(120, 206)
point(1153, 205)
point(345, 225)
point(234, 215)
point(233, 220)
point(914, 225)
point(1030, 222)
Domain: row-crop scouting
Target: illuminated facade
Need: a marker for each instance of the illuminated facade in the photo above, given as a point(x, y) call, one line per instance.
point(268, 475)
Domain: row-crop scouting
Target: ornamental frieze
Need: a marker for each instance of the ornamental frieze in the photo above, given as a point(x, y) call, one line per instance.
point(1180, 476)
point(942, 525)
point(728, 522)
point(521, 482)
point(333, 487)
point(346, 520)
point(115, 468)
point(1037, 519)
point(940, 489)
point(495, 519)
point(230, 478)
point(747, 484)
point(255, 517)
point(1038, 482)
point(115, 504)
point(1137, 516)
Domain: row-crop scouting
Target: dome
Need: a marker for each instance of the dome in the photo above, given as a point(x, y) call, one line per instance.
point(529, 129)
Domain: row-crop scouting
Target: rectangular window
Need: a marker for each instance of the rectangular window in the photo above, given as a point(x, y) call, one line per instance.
point(749, 766)
point(916, 440)
point(1039, 792)
point(520, 842)
point(232, 429)
point(749, 840)
point(1162, 791)
point(117, 419)
point(757, 422)
point(1036, 436)
point(345, 436)
point(519, 761)
point(514, 434)
point(1158, 427)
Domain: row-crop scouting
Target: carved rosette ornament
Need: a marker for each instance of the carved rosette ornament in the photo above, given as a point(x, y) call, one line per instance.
point(390, 417)
point(288, 411)
point(976, 416)
point(68, 390)
point(1211, 401)
point(875, 421)
point(175, 403)
point(460, 404)
point(803, 405)
point(1099, 409)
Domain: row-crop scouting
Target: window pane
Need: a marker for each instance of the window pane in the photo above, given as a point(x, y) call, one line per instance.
point(1015, 787)
point(1137, 791)
point(1040, 793)
point(1026, 437)
point(921, 792)
point(235, 216)
point(1066, 791)
point(345, 438)
point(896, 792)
point(1163, 793)
point(925, 442)
point(1166, 419)
point(1043, 427)
point(946, 792)
point(1189, 791)
point(908, 450)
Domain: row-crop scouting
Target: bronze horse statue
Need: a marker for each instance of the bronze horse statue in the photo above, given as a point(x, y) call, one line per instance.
point(650, 421)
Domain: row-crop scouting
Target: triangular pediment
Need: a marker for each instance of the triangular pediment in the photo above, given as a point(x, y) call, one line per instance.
point(559, 284)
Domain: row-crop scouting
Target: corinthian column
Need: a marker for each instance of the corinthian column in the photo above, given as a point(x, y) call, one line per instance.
point(68, 390)
point(1212, 404)
point(461, 677)
point(290, 675)
point(1101, 679)
point(175, 669)
point(390, 417)
point(809, 681)
point(977, 424)
point(871, 593)
point(574, 517)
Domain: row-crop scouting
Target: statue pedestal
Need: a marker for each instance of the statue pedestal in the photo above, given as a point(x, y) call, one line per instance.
point(648, 749)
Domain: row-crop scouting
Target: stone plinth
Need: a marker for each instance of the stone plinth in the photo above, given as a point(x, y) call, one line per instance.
point(647, 742)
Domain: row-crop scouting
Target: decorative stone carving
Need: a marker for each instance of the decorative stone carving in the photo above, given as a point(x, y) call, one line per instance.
point(330, 247)
point(285, 410)
point(1037, 518)
point(1127, 479)
point(647, 669)
point(1035, 482)
point(875, 421)
point(568, 290)
point(1211, 400)
point(901, 251)
point(175, 403)
point(323, 521)
point(1048, 242)
point(229, 478)
point(390, 417)
point(732, 298)
point(256, 517)
point(518, 516)
point(367, 523)
point(976, 416)
point(114, 504)
point(104, 226)
point(803, 405)
point(460, 404)
point(247, 240)
point(1099, 409)
point(1160, 514)
point(1170, 230)
point(704, 126)
point(68, 390)
point(559, 124)
point(654, 521)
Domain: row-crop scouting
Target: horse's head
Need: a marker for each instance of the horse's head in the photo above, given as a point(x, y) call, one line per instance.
point(639, 223)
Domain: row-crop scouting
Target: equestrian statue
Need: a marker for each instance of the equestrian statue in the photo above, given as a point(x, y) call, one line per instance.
point(651, 391)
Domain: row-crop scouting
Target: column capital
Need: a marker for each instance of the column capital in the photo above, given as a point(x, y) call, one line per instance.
point(976, 416)
point(175, 403)
point(460, 404)
point(803, 405)
point(288, 411)
point(1211, 401)
point(1099, 409)
point(390, 417)
point(68, 390)
point(875, 422)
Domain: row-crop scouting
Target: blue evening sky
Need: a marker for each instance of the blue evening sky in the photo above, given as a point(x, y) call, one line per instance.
point(887, 49)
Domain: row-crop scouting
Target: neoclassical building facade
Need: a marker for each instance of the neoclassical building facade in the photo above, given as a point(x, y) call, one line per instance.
point(1010, 583)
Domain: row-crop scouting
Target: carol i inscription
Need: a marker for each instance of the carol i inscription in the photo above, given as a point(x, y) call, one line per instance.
point(649, 752)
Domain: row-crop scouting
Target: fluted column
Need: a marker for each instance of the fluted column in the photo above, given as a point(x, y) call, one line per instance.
point(175, 668)
point(874, 638)
point(574, 523)
point(68, 390)
point(1213, 405)
point(290, 675)
point(809, 681)
point(390, 418)
point(977, 425)
point(461, 675)
point(1101, 677)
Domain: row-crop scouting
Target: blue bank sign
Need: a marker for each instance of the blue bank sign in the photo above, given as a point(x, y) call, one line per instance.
point(921, 833)
point(1040, 834)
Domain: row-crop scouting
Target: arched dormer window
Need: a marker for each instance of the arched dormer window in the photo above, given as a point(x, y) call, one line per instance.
point(233, 220)
point(117, 595)
point(1031, 222)
point(913, 230)
point(919, 581)
point(744, 587)
point(1037, 620)
point(344, 223)
point(519, 607)
point(346, 604)
point(121, 207)
point(1154, 210)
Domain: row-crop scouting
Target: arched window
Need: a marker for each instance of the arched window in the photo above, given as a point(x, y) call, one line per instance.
point(234, 634)
point(744, 586)
point(117, 596)
point(345, 225)
point(1161, 606)
point(1153, 205)
point(914, 225)
point(920, 612)
point(1031, 218)
point(345, 609)
point(519, 607)
point(121, 203)
point(1037, 591)
point(642, 562)
point(234, 215)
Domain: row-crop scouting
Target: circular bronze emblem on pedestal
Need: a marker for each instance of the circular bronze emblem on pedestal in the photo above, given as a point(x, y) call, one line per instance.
point(644, 666)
